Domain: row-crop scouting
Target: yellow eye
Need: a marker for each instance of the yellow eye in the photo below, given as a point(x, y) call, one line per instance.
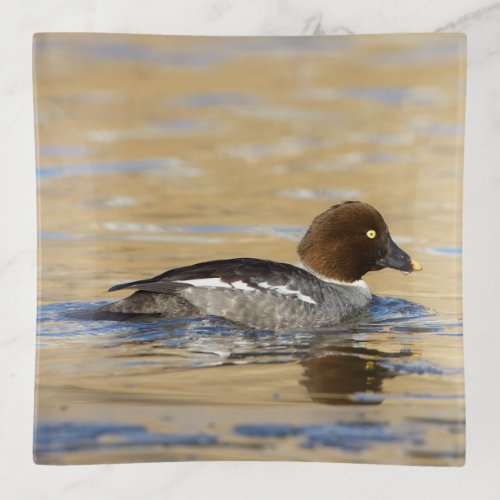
point(371, 234)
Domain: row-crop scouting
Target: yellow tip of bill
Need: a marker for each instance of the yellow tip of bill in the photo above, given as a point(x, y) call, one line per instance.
point(415, 265)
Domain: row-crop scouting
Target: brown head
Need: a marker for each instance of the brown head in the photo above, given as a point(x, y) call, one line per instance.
point(349, 240)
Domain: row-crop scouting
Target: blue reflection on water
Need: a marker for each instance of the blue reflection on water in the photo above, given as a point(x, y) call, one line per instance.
point(185, 125)
point(52, 437)
point(166, 165)
point(212, 52)
point(63, 150)
point(203, 234)
point(388, 95)
point(218, 99)
point(423, 53)
point(344, 435)
point(445, 251)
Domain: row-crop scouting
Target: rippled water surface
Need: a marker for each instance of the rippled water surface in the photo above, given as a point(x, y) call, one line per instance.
point(157, 152)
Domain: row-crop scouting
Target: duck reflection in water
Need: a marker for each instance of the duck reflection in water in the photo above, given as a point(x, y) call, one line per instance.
point(337, 378)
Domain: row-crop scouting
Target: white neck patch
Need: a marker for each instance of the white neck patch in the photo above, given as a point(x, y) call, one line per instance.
point(333, 281)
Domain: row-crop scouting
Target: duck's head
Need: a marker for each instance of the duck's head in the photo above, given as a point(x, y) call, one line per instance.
point(350, 239)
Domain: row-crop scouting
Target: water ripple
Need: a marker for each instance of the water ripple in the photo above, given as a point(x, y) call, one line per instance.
point(53, 437)
point(348, 436)
point(169, 166)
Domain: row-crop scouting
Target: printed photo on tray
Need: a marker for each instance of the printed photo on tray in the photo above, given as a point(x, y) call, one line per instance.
point(249, 248)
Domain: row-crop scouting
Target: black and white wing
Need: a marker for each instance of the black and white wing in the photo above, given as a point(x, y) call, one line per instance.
point(243, 274)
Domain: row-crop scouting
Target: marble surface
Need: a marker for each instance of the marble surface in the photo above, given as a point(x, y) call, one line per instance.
point(21, 479)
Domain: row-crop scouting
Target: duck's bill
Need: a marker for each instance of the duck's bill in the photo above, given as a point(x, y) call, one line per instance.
point(398, 259)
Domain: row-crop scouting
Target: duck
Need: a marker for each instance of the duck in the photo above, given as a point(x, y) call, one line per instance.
point(341, 245)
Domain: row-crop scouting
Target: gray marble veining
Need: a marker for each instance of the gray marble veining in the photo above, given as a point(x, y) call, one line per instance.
point(479, 20)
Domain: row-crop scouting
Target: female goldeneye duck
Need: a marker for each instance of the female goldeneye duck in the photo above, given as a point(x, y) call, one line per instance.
point(339, 248)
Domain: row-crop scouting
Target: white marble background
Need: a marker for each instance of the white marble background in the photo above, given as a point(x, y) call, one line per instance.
point(21, 479)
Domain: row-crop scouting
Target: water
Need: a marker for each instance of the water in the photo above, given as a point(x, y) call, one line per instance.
point(154, 155)
point(377, 360)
